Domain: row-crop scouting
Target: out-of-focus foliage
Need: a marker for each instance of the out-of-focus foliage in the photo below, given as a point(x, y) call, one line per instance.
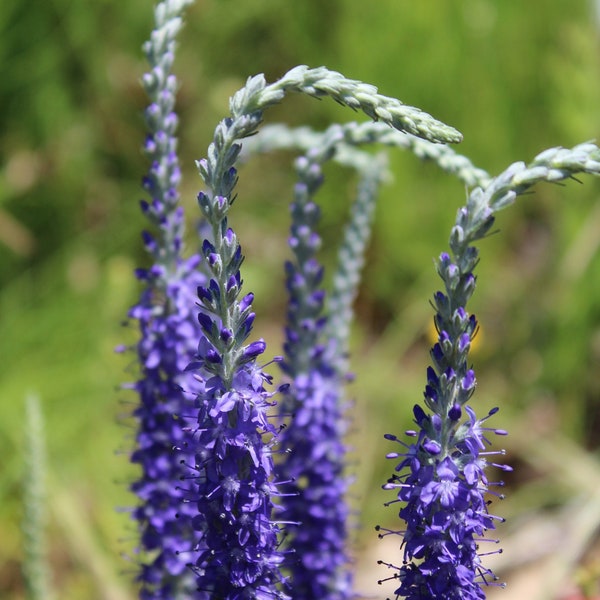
point(514, 78)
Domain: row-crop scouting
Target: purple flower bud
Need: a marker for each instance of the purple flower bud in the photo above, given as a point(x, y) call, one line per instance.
point(464, 342)
point(246, 302)
point(419, 414)
point(204, 203)
point(141, 274)
point(254, 349)
point(468, 381)
point(432, 377)
point(203, 294)
point(206, 322)
point(453, 272)
point(229, 238)
point(231, 283)
point(226, 334)
point(455, 412)
point(431, 393)
point(248, 322)
point(460, 314)
point(207, 248)
point(432, 447)
point(212, 356)
point(214, 260)
point(437, 354)
point(149, 241)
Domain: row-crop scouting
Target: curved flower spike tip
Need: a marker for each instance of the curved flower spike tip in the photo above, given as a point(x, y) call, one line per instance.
point(441, 478)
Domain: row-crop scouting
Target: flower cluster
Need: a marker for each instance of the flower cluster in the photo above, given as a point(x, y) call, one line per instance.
point(232, 485)
point(315, 458)
point(442, 480)
point(169, 332)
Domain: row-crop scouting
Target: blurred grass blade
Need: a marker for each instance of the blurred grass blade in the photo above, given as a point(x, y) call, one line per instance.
point(83, 545)
point(35, 565)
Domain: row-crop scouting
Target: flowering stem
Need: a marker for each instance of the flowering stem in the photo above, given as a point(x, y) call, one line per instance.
point(169, 332)
point(442, 478)
point(315, 451)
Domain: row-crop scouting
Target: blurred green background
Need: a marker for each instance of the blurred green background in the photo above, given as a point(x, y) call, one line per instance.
point(514, 77)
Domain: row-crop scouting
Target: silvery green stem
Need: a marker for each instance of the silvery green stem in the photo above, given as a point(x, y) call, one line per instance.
point(319, 82)
point(351, 259)
point(552, 165)
point(35, 566)
point(281, 137)
point(444, 156)
point(362, 96)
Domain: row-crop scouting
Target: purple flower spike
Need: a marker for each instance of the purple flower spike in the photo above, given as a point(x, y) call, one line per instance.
point(314, 502)
point(169, 330)
point(234, 489)
point(440, 479)
point(231, 481)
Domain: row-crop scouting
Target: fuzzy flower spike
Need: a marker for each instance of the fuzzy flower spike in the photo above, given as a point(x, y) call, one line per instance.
point(441, 480)
point(315, 452)
point(169, 330)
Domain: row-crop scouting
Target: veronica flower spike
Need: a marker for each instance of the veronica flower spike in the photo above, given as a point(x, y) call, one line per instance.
point(315, 452)
point(169, 330)
point(441, 479)
point(314, 503)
